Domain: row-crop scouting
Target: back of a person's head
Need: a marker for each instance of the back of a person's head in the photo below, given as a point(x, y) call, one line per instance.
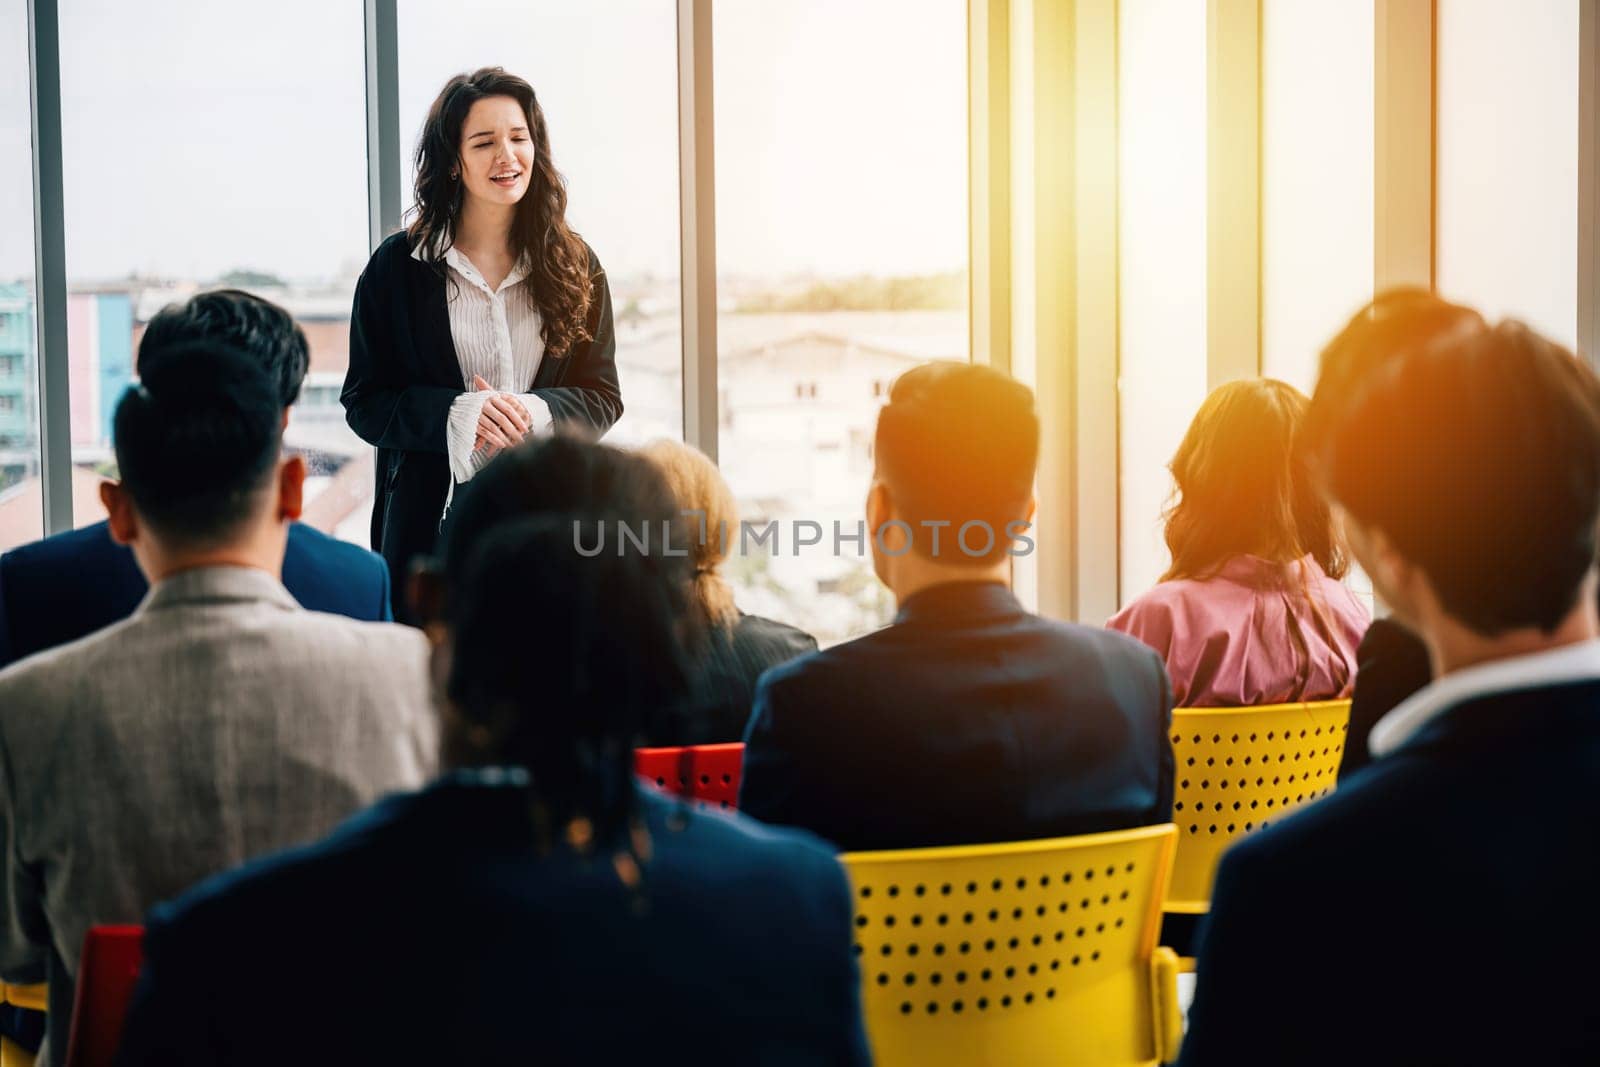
point(1242, 487)
point(958, 443)
point(259, 328)
point(197, 441)
point(563, 657)
point(699, 487)
point(1475, 449)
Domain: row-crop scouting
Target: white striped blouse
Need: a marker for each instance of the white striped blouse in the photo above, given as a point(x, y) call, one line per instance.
point(497, 335)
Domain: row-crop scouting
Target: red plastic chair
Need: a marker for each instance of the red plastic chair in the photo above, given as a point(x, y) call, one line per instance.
point(106, 976)
point(708, 774)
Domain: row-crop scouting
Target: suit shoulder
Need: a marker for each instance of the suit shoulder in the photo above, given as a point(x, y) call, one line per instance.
point(394, 250)
point(380, 644)
point(307, 538)
point(826, 666)
point(65, 549)
point(42, 671)
point(1385, 637)
point(1108, 645)
point(770, 632)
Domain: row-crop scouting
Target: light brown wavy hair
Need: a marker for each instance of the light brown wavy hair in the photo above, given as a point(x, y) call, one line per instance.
point(698, 486)
point(1241, 486)
point(559, 284)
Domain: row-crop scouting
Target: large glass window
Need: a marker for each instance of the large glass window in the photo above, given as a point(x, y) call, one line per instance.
point(215, 145)
point(1162, 379)
point(21, 490)
point(1317, 179)
point(842, 262)
point(1508, 160)
point(606, 76)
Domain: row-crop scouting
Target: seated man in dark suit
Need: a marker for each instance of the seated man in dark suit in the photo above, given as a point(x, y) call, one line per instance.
point(549, 908)
point(1437, 904)
point(968, 720)
point(64, 587)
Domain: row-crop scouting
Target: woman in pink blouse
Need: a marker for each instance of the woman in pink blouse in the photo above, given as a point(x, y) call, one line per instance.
point(1252, 610)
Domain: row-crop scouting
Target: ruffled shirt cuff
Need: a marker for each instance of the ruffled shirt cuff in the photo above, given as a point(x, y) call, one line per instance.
point(462, 430)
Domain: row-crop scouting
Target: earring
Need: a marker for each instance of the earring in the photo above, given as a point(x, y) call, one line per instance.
point(454, 175)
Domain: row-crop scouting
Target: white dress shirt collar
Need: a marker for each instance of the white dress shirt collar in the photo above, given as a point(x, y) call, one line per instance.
point(1536, 670)
point(454, 257)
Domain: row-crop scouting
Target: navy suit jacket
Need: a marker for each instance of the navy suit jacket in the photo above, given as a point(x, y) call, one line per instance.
point(967, 721)
point(70, 585)
point(737, 949)
point(1437, 909)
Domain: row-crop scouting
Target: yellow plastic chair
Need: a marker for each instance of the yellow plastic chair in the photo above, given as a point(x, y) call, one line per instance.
point(32, 997)
point(1017, 954)
point(1239, 769)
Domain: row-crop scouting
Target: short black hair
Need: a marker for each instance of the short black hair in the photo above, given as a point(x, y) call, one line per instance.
point(958, 443)
point(1474, 448)
point(571, 658)
point(259, 328)
point(197, 440)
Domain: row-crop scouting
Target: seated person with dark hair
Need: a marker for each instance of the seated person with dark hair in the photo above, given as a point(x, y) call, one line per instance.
point(1437, 902)
point(969, 719)
point(548, 907)
point(220, 720)
point(63, 587)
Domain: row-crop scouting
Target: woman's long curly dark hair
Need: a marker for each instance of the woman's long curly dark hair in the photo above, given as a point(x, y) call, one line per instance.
point(559, 283)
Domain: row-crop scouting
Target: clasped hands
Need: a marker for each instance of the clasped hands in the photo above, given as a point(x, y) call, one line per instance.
point(503, 421)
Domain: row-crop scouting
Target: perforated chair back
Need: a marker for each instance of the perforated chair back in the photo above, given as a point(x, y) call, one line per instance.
point(107, 974)
point(31, 998)
point(1239, 769)
point(708, 774)
point(1032, 952)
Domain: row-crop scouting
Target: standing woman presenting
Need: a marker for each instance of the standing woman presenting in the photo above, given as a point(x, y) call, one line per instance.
point(485, 321)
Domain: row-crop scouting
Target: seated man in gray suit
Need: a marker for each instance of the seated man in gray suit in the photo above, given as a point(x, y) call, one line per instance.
point(221, 720)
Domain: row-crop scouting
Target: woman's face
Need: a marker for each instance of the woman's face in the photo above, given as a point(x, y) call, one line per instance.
point(496, 151)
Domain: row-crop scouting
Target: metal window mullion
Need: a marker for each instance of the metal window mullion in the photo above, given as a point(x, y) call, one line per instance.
point(50, 264)
point(1404, 144)
point(989, 181)
point(1589, 181)
point(1095, 507)
point(697, 203)
point(1233, 190)
point(382, 48)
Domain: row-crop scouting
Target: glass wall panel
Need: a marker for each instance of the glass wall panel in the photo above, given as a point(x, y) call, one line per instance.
point(841, 154)
point(1317, 182)
point(1162, 380)
point(215, 145)
point(21, 490)
point(606, 76)
point(1508, 160)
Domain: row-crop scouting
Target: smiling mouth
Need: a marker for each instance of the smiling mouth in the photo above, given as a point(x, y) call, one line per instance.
point(509, 178)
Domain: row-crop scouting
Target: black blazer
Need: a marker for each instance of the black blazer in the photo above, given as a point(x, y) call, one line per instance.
point(724, 684)
point(736, 950)
point(1436, 909)
point(404, 375)
point(70, 585)
point(1391, 664)
point(966, 721)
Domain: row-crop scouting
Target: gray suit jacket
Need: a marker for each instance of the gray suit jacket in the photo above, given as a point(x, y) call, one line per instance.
point(221, 721)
